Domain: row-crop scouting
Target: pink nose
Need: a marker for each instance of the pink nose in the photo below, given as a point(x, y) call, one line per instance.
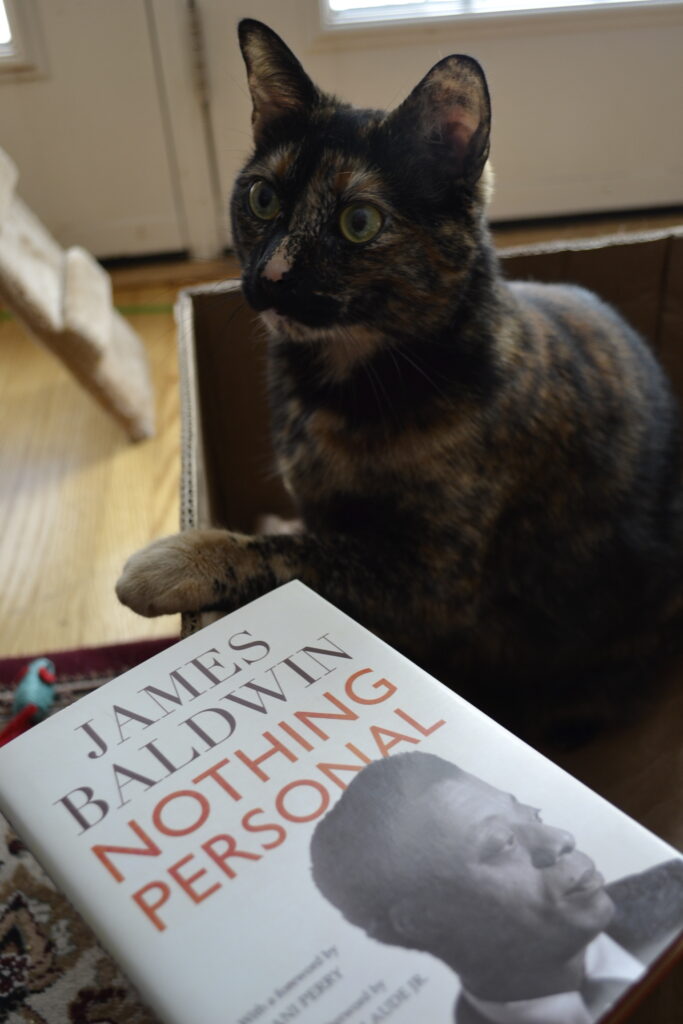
point(276, 268)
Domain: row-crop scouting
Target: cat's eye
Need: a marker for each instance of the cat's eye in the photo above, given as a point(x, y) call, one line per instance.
point(263, 200)
point(360, 222)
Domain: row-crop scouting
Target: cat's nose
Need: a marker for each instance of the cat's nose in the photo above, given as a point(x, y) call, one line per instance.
point(272, 281)
point(276, 267)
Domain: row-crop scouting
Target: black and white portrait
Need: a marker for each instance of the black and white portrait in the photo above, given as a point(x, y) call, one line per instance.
point(423, 855)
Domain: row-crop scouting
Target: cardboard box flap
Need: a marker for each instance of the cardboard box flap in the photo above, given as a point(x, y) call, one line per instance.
point(229, 474)
point(670, 333)
point(629, 272)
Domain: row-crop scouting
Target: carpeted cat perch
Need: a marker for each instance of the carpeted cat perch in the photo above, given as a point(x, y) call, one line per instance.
point(64, 299)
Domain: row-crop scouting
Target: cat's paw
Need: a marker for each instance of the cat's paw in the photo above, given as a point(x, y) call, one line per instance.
point(174, 574)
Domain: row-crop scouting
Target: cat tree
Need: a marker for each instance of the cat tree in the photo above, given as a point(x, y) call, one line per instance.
point(64, 299)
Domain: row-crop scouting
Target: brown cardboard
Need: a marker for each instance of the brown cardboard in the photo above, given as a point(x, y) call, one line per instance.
point(670, 335)
point(228, 470)
point(229, 480)
point(631, 272)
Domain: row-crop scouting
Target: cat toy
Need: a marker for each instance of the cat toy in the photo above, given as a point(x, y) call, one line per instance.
point(33, 698)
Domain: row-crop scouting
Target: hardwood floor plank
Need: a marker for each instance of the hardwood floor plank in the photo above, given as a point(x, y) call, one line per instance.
point(76, 498)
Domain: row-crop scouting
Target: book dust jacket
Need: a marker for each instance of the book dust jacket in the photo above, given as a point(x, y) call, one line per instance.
point(280, 819)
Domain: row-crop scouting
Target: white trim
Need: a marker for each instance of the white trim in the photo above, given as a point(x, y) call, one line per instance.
point(335, 33)
point(426, 10)
point(203, 219)
point(25, 57)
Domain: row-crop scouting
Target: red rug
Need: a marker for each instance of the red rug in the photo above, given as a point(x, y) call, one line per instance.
point(52, 970)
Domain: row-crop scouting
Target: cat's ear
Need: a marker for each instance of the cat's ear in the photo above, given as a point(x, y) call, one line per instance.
point(450, 112)
point(277, 82)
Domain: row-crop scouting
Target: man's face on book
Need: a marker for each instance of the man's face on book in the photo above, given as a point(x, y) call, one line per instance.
point(506, 876)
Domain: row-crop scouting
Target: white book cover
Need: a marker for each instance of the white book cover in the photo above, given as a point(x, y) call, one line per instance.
point(282, 819)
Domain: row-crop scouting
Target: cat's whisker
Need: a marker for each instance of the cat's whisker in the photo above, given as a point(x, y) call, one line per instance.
point(378, 387)
point(402, 352)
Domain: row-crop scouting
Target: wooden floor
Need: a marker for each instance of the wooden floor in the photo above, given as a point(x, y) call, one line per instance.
point(76, 498)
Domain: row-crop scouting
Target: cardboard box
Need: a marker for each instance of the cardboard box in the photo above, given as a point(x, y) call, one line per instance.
point(228, 480)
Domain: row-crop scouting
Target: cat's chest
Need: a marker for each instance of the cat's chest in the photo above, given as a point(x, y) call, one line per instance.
point(320, 452)
point(317, 451)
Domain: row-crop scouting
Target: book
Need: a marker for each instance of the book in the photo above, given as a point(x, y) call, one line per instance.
point(280, 818)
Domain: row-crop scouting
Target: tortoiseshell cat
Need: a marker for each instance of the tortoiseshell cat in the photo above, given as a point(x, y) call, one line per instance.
point(488, 473)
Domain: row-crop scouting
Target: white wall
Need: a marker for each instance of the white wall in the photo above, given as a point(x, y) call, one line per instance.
point(113, 152)
point(88, 137)
point(586, 105)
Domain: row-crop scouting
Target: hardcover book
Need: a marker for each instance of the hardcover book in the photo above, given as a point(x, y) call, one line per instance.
point(282, 819)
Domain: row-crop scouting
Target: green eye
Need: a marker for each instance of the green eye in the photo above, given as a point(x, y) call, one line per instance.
point(263, 200)
point(360, 222)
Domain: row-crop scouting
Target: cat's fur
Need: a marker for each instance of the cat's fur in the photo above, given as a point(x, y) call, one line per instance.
point(488, 473)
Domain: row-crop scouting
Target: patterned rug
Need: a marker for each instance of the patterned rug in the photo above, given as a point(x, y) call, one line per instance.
point(52, 969)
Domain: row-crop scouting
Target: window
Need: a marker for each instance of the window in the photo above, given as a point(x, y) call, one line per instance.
point(363, 12)
point(22, 53)
point(5, 30)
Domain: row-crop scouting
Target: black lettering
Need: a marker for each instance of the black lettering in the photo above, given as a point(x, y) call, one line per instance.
point(206, 669)
point(173, 698)
point(336, 653)
point(123, 716)
point(87, 728)
point(245, 647)
point(258, 690)
point(129, 776)
point(202, 733)
point(76, 810)
point(165, 761)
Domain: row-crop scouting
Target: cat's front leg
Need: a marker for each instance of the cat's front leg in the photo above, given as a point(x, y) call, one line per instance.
point(217, 569)
point(187, 572)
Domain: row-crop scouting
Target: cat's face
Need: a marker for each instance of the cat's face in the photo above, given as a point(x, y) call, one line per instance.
point(348, 218)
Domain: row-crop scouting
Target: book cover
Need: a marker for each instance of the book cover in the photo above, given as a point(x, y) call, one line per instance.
point(282, 819)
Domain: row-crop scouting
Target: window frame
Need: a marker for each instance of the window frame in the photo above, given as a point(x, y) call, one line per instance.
point(334, 31)
point(25, 56)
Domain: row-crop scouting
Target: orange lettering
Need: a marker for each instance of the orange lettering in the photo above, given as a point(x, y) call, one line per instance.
point(287, 815)
point(229, 851)
point(150, 909)
point(204, 811)
point(387, 688)
point(186, 883)
point(150, 849)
